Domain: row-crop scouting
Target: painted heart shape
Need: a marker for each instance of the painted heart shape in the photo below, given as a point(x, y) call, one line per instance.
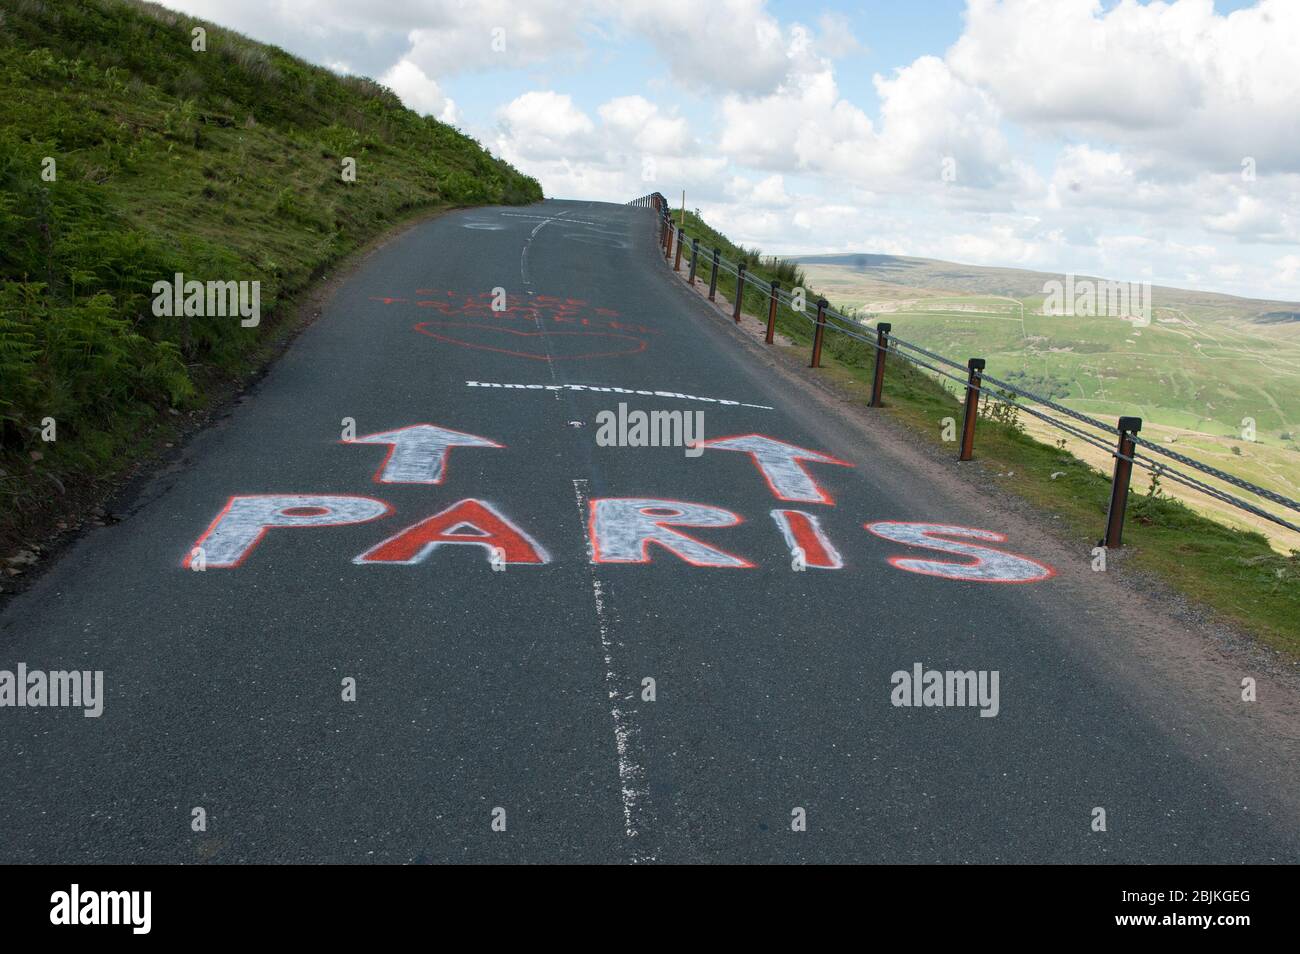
point(436, 330)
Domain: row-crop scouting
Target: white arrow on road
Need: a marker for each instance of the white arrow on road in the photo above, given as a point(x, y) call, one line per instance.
point(779, 463)
point(418, 454)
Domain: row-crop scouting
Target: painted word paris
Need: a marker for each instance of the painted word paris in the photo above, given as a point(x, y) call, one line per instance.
point(620, 530)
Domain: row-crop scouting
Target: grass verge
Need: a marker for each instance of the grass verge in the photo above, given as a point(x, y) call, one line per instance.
point(1235, 574)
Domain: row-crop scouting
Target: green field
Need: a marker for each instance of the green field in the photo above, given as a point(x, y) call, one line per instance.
point(1246, 573)
point(1202, 367)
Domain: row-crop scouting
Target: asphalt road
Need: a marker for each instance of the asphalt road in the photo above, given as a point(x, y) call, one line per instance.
point(522, 689)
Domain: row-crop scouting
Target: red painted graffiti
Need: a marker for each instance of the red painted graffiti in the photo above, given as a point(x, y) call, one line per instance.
point(548, 310)
point(804, 536)
point(467, 522)
point(628, 530)
point(620, 530)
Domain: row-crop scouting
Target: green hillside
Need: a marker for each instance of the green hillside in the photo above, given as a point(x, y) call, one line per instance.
point(1206, 362)
point(224, 164)
point(1215, 375)
point(1229, 570)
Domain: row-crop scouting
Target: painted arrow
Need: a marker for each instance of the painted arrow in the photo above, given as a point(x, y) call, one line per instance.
point(779, 463)
point(418, 454)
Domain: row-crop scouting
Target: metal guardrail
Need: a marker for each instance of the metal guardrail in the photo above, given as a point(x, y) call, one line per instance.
point(1121, 439)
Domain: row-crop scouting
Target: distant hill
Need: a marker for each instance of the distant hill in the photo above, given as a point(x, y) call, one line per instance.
point(932, 276)
point(1217, 375)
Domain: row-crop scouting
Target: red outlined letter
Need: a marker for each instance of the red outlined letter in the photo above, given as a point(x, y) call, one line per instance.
point(418, 454)
point(779, 463)
point(621, 530)
point(242, 523)
point(988, 566)
point(467, 521)
point(803, 531)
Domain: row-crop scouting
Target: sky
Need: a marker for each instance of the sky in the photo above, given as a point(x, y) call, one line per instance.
point(1142, 141)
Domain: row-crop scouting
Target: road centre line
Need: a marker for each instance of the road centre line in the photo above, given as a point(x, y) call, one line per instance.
point(548, 218)
point(523, 255)
point(631, 774)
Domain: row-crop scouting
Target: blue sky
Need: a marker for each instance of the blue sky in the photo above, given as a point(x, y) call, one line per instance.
point(1144, 141)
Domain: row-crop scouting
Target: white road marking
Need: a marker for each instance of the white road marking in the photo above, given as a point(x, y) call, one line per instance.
point(418, 452)
point(613, 390)
point(781, 464)
point(520, 215)
point(523, 272)
point(523, 256)
point(631, 774)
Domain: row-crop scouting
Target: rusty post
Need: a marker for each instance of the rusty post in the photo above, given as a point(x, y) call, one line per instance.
point(878, 378)
point(818, 334)
point(1119, 483)
point(740, 291)
point(771, 313)
point(975, 366)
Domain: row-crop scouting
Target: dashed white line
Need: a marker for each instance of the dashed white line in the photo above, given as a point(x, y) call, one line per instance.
point(519, 215)
point(523, 272)
point(631, 774)
point(594, 388)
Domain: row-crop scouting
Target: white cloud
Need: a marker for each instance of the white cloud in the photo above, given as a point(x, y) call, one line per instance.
point(547, 125)
point(789, 128)
point(731, 45)
point(419, 92)
point(927, 116)
point(927, 113)
point(835, 37)
point(767, 193)
point(1086, 177)
point(1085, 135)
point(998, 245)
point(770, 192)
point(1176, 79)
point(454, 36)
point(634, 148)
point(639, 123)
point(1257, 220)
point(1288, 271)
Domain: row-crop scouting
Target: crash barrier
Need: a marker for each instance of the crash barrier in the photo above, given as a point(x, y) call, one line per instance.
point(1119, 440)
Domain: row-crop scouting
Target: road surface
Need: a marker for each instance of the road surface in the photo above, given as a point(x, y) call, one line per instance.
point(501, 683)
